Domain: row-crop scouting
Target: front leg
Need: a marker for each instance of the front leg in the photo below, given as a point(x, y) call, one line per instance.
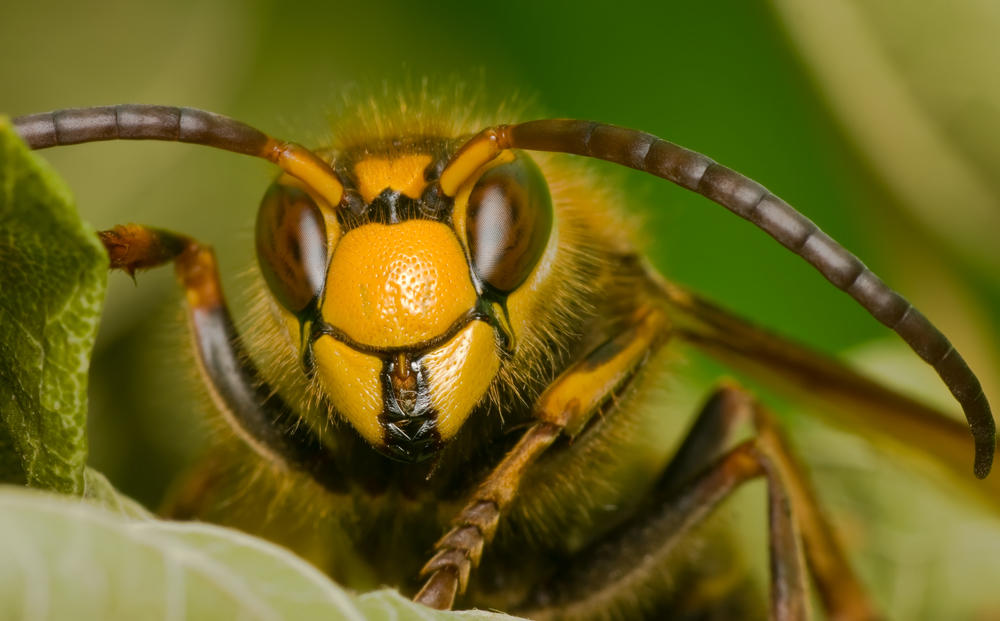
point(259, 416)
point(565, 407)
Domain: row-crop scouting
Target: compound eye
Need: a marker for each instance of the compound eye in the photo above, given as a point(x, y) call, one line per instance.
point(291, 246)
point(508, 221)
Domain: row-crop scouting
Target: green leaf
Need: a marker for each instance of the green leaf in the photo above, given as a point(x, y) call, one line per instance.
point(51, 289)
point(67, 559)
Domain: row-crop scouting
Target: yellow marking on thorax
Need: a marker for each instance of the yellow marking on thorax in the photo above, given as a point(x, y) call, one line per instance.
point(404, 174)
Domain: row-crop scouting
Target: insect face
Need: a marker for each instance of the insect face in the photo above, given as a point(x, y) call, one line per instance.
point(430, 292)
point(399, 305)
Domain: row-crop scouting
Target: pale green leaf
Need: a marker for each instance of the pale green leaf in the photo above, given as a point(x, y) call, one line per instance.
point(69, 559)
point(100, 491)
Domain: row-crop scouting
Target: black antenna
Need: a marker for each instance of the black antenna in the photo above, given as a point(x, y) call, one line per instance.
point(751, 201)
point(145, 122)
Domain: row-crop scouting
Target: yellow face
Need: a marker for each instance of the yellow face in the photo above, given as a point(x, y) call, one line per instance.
point(403, 293)
point(402, 310)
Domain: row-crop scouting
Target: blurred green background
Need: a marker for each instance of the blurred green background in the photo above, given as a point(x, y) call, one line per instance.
point(878, 120)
